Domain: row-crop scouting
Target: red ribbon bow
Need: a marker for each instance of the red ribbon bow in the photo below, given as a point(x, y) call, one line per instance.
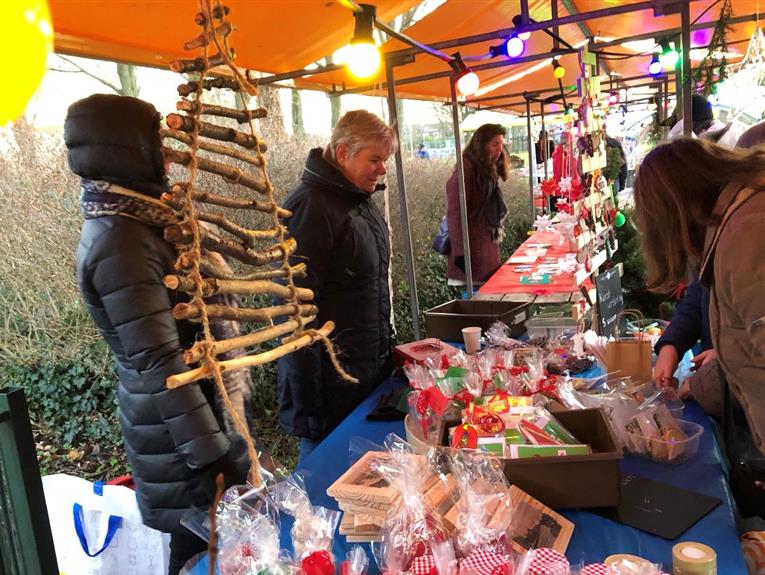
point(431, 398)
point(465, 436)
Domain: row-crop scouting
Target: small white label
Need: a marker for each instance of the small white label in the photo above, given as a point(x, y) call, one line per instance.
point(519, 318)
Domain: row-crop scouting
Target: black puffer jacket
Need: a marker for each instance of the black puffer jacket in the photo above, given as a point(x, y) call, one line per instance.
point(344, 240)
point(170, 436)
point(173, 439)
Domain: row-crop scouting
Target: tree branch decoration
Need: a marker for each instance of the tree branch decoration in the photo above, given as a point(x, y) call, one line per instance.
point(204, 232)
point(710, 71)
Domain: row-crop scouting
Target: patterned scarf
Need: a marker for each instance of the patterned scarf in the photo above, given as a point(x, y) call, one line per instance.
point(100, 198)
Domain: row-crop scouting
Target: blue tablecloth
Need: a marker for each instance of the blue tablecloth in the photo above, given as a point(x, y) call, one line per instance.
point(594, 537)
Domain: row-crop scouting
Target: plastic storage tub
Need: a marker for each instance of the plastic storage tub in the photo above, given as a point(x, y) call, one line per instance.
point(666, 451)
point(551, 326)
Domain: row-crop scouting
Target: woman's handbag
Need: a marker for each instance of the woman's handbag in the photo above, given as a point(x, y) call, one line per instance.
point(441, 242)
point(98, 530)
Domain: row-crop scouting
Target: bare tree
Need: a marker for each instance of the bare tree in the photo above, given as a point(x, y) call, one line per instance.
point(126, 74)
point(298, 128)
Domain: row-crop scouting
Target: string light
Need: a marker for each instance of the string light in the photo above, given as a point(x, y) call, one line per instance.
point(655, 67)
point(524, 36)
point(669, 56)
point(363, 57)
point(613, 98)
point(513, 47)
point(468, 81)
point(558, 70)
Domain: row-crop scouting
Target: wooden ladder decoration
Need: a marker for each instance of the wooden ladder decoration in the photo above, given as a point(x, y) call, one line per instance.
point(207, 228)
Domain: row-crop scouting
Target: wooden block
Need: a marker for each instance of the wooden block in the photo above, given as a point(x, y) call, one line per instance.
point(378, 515)
point(364, 522)
point(450, 517)
point(440, 497)
point(346, 523)
point(535, 525)
point(363, 539)
point(363, 486)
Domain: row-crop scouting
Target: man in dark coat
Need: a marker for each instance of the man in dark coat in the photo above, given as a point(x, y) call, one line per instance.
point(343, 238)
point(175, 439)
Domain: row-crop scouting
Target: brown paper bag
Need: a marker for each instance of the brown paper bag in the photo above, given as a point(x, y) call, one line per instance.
point(630, 358)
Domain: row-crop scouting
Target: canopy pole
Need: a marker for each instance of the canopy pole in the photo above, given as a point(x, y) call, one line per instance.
point(393, 115)
point(461, 187)
point(543, 144)
point(532, 160)
point(666, 105)
point(685, 16)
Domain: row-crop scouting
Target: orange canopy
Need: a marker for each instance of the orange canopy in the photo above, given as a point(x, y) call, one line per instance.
point(272, 35)
point(466, 18)
point(277, 36)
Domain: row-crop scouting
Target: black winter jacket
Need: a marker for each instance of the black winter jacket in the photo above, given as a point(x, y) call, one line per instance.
point(343, 239)
point(170, 436)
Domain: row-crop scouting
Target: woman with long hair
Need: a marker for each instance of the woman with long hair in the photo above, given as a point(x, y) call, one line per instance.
point(484, 164)
point(700, 204)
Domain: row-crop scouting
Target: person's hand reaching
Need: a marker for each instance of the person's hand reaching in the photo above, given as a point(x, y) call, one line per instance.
point(666, 366)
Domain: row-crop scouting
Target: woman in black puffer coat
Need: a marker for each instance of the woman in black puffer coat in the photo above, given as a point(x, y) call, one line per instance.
point(175, 439)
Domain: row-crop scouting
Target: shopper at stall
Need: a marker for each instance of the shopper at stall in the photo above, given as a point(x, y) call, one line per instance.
point(175, 440)
point(484, 164)
point(690, 324)
point(343, 238)
point(698, 202)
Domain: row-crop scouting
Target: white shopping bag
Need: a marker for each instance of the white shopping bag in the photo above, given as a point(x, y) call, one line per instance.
point(97, 529)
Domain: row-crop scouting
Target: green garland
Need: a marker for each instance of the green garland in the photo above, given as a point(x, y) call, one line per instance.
point(710, 72)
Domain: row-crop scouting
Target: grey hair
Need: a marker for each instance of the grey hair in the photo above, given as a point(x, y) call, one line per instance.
point(359, 129)
point(754, 136)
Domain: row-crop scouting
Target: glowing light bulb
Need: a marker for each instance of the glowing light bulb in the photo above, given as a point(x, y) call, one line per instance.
point(468, 84)
point(524, 36)
point(655, 67)
point(515, 46)
point(363, 59)
point(669, 59)
point(558, 70)
point(613, 98)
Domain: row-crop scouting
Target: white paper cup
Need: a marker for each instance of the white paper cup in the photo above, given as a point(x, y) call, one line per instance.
point(472, 338)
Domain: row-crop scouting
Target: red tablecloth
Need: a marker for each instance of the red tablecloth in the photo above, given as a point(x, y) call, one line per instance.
point(507, 281)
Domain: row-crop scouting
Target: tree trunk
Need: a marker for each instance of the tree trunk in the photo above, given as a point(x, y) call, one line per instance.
point(128, 81)
point(298, 130)
point(272, 126)
point(334, 102)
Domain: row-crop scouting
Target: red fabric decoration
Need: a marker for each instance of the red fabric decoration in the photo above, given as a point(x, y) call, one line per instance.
point(486, 563)
point(545, 561)
point(318, 563)
point(431, 398)
point(549, 188)
point(465, 436)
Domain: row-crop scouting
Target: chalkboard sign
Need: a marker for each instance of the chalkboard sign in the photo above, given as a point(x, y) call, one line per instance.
point(610, 300)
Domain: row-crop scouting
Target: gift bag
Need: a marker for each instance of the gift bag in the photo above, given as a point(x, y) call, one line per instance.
point(630, 357)
point(97, 529)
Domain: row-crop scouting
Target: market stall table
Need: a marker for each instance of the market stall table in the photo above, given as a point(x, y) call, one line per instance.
point(595, 537)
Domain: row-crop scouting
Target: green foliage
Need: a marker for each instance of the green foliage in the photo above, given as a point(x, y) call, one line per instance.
point(614, 162)
point(630, 253)
point(72, 406)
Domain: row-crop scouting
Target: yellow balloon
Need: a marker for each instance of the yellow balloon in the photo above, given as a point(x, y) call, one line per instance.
point(26, 40)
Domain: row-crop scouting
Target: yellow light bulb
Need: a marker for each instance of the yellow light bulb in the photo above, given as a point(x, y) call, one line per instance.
point(26, 25)
point(559, 72)
point(363, 60)
point(468, 84)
